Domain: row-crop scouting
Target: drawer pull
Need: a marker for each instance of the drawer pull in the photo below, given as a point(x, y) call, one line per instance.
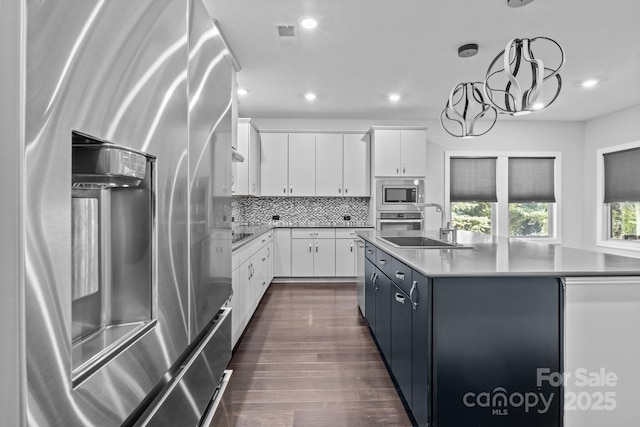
point(399, 275)
point(400, 298)
point(414, 302)
point(310, 245)
point(351, 247)
point(263, 259)
point(316, 247)
point(382, 261)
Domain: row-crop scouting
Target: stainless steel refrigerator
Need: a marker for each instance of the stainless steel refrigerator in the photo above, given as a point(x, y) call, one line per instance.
point(122, 243)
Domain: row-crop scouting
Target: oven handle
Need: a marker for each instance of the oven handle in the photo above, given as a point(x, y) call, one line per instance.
point(400, 221)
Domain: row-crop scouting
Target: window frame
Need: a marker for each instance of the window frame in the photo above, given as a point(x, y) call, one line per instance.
point(500, 209)
point(603, 210)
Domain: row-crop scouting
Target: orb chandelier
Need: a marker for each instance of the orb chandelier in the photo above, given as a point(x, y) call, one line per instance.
point(466, 108)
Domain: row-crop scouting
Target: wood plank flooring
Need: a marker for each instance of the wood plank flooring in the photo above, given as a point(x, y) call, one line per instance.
point(307, 359)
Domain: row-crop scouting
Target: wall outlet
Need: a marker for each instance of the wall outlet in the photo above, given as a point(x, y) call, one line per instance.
point(276, 217)
point(346, 217)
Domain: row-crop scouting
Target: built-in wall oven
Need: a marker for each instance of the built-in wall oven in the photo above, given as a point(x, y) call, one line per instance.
point(395, 204)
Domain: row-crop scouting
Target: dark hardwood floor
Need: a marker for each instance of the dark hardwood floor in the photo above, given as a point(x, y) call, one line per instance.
point(307, 359)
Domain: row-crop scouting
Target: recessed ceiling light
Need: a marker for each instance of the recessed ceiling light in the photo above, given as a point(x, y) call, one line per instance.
point(242, 91)
point(310, 96)
point(394, 97)
point(589, 83)
point(309, 23)
point(538, 106)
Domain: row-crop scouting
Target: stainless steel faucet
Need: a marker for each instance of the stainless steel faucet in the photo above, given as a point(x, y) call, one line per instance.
point(446, 232)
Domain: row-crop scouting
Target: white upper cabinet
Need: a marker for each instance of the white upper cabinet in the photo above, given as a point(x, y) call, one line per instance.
point(274, 164)
point(302, 164)
point(329, 164)
point(355, 170)
point(247, 173)
point(400, 152)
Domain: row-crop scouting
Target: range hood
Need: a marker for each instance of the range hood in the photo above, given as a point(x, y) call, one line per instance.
point(236, 156)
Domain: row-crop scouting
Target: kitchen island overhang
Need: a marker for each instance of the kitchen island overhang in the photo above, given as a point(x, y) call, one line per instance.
point(486, 330)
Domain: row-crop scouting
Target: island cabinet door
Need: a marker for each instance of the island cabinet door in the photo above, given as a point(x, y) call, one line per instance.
point(496, 344)
point(383, 315)
point(420, 297)
point(370, 280)
point(401, 313)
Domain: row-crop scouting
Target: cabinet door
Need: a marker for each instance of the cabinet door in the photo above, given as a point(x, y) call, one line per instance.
point(324, 257)
point(241, 175)
point(420, 350)
point(274, 164)
point(329, 164)
point(302, 164)
point(383, 315)
point(345, 258)
point(254, 162)
point(387, 152)
point(413, 152)
point(302, 251)
point(401, 312)
point(282, 252)
point(269, 263)
point(236, 314)
point(356, 165)
point(370, 294)
point(246, 293)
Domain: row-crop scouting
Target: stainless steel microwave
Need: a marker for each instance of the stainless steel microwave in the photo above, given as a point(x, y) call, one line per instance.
point(395, 195)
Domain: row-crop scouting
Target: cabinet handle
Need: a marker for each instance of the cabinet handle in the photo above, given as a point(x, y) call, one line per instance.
point(264, 283)
point(351, 247)
point(346, 190)
point(316, 247)
point(291, 189)
point(264, 240)
point(264, 259)
point(372, 276)
point(399, 275)
point(369, 251)
point(414, 289)
point(382, 261)
point(404, 169)
point(375, 279)
point(339, 190)
point(400, 298)
point(268, 252)
point(284, 189)
point(310, 245)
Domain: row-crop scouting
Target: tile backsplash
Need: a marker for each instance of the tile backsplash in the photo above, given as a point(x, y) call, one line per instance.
point(299, 210)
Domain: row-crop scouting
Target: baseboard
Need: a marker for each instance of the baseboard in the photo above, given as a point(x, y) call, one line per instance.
point(346, 280)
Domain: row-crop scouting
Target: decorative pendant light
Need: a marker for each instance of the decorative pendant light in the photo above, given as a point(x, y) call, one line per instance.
point(466, 106)
point(525, 83)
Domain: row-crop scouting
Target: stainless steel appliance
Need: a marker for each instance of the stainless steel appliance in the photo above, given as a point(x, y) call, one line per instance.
point(399, 195)
point(124, 267)
point(360, 274)
point(399, 221)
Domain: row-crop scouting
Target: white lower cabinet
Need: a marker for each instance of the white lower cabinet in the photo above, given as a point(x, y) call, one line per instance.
point(251, 275)
point(313, 252)
point(282, 252)
point(345, 258)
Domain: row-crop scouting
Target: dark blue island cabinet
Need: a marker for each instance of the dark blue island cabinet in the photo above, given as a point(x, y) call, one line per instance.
point(469, 351)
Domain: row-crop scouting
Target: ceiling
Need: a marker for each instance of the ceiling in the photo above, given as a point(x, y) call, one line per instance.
point(363, 50)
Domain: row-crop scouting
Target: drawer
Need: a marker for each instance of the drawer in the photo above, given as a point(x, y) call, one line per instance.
point(345, 233)
point(262, 258)
point(313, 233)
point(370, 252)
point(401, 275)
point(384, 262)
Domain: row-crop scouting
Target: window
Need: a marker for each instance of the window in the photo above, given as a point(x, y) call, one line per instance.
point(472, 193)
point(620, 212)
point(512, 195)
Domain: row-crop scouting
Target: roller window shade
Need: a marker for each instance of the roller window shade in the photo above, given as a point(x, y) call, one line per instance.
point(531, 180)
point(473, 179)
point(622, 176)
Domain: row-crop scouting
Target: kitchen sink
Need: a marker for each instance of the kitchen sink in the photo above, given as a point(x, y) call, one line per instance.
point(420, 242)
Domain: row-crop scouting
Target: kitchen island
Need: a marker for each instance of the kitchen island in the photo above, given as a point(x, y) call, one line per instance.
point(480, 335)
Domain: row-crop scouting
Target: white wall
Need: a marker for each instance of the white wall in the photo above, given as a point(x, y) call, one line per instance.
point(506, 136)
point(613, 129)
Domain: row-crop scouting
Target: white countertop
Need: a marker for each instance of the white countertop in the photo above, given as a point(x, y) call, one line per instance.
point(499, 256)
